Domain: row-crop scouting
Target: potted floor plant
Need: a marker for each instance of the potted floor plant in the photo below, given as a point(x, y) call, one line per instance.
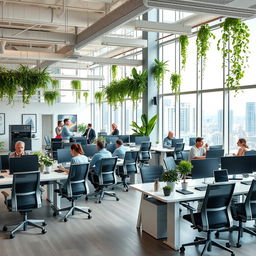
point(184, 168)
point(171, 177)
point(167, 190)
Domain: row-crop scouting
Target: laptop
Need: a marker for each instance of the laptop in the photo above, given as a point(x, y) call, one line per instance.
point(220, 175)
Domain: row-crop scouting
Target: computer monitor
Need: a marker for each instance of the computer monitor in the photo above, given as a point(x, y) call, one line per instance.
point(111, 139)
point(218, 153)
point(68, 145)
point(90, 150)
point(221, 175)
point(132, 138)
point(140, 139)
point(175, 141)
point(27, 163)
point(111, 147)
point(5, 162)
point(203, 168)
point(80, 140)
point(192, 141)
point(239, 164)
point(64, 155)
point(216, 147)
point(124, 138)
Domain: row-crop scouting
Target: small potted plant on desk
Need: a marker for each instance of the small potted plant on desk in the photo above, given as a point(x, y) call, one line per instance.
point(184, 168)
point(171, 177)
point(167, 190)
point(44, 161)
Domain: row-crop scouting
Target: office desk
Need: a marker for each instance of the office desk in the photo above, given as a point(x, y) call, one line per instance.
point(52, 177)
point(173, 205)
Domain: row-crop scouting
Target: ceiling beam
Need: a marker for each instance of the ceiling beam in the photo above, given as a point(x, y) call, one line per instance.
point(124, 42)
point(88, 78)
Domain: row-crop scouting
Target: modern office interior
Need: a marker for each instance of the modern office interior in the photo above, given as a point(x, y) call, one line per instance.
point(168, 87)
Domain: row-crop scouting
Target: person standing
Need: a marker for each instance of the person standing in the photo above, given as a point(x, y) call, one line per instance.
point(58, 129)
point(89, 134)
point(66, 134)
point(115, 131)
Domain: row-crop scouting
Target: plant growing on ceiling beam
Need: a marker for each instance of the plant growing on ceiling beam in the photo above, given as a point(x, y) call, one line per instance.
point(159, 70)
point(76, 85)
point(234, 46)
point(204, 34)
point(99, 96)
point(114, 70)
point(51, 96)
point(175, 81)
point(183, 40)
point(86, 96)
point(55, 83)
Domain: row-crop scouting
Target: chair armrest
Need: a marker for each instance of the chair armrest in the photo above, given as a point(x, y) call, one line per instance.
point(189, 207)
point(5, 194)
point(60, 188)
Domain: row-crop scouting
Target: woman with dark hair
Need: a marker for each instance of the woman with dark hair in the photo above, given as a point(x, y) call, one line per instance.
point(78, 156)
point(243, 147)
point(58, 129)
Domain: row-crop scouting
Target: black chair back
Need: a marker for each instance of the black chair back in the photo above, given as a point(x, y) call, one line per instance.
point(178, 149)
point(77, 180)
point(169, 163)
point(250, 153)
point(111, 147)
point(151, 173)
point(144, 153)
point(107, 174)
point(250, 202)
point(55, 145)
point(130, 162)
point(26, 191)
point(215, 212)
point(185, 155)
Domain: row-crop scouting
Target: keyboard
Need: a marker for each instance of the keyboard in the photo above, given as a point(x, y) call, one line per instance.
point(201, 188)
point(246, 182)
point(59, 171)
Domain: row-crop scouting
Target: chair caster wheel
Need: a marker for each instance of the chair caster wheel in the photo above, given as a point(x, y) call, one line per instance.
point(44, 224)
point(86, 198)
point(44, 231)
point(238, 245)
point(228, 245)
point(117, 199)
point(182, 249)
point(54, 214)
point(232, 254)
point(65, 219)
point(99, 202)
point(12, 236)
point(127, 190)
point(5, 228)
point(89, 216)
point(89, 210)
point(217, 234)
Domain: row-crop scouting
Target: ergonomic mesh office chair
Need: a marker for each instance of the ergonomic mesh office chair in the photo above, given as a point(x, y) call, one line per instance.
point(169, 163)
point(144, 154)
point(151, 173)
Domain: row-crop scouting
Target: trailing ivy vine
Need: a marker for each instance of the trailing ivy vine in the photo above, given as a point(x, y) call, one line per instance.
point(76, 85)
point(86, 96)
point(51, 96)
point(204, 34)
point(99, 97)
point(114, 71)
point(183, 39)
point(55, 83)
point(175, 81)
point(159, 70)
point(234, 46)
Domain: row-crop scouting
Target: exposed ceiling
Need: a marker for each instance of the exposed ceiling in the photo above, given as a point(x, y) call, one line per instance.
point(79, 33)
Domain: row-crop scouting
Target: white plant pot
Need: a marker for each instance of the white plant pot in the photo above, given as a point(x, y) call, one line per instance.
point(48, 169)
point(184, 185)
point(172, 184)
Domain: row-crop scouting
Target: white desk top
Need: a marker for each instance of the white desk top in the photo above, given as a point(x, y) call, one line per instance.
point(148, 189)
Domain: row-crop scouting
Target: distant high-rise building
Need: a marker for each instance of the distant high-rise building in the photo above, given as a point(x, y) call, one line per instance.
point(184, 117)
point(220, 120)
point(250, 118)
point(171, 119)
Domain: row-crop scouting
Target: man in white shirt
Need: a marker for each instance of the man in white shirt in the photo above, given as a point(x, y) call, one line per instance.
point(198, 151)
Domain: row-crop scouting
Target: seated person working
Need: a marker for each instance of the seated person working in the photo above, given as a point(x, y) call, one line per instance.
point(120, 149)
point(243, 147)
point(95, 163)
point(167, 143)
point(19, 150)
point(198, 151)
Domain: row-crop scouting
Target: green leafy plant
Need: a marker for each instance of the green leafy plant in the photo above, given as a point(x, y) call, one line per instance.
point(175, 81)
point(99, 96)
point(86, 96)
point(2, 145)
point(147, 126)
point(51, 96)
point(234, 45)
point(167, 187)
point(55, 83)
point(167, 190)
point(44, 159)
point(114, 71)
point(183, 39)
point(204, 34)
point(159, 70)
point(170, 176)
point(76, 85)
point(81, 128)
point(184, 168)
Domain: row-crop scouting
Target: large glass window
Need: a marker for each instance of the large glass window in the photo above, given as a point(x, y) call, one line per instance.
point(105, 117)
point(168, 115)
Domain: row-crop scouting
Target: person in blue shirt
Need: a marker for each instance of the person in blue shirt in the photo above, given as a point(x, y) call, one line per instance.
point(95, 163)
point(167, 143)
point(66, 133)
point(120, 149)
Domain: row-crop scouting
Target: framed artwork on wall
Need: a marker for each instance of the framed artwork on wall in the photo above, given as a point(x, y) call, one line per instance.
point(72, 119)
point(2, 123)
point(30, 119)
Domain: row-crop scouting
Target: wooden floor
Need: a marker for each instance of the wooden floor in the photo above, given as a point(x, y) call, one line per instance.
point(111, 232)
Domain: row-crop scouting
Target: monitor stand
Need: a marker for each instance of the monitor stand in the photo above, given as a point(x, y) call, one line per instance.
point(207, 181)
point(235, 177)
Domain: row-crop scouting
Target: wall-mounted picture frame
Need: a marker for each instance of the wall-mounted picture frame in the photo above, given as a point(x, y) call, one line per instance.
point(72, 119)
point(2, 123)
point(30, 119)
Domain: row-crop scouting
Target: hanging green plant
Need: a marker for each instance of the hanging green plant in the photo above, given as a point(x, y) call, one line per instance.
point(51, 96)
point(175, 83)
point(99, 97)
point(76, 85)
point(86, 96)
point(114, 71)
point(159, 70)
point(204, 34)
point(55, 83)
point(183, 39)
point(234, 45)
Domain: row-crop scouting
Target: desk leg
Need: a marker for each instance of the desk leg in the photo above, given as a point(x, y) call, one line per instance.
point(173, 226)
point(56, 203)
point(161, 158)
point(49, 196)
point(139, 213)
